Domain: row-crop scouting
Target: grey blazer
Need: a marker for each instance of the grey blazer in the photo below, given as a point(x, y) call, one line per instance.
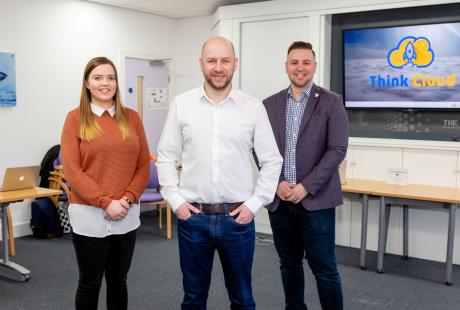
point(321, 145)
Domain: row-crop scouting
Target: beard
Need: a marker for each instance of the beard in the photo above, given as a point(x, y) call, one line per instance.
point(227, 82)
point(300, 85)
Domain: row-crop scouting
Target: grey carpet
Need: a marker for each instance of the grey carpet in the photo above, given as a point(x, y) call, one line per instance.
point(155, 278)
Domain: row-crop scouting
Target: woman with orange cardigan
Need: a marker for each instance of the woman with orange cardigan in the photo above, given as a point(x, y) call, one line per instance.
point(106, 163)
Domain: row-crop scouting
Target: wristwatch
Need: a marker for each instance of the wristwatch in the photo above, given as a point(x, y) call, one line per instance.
point(130, 203)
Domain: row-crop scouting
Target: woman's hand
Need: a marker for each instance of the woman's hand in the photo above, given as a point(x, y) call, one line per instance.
point(116, 210)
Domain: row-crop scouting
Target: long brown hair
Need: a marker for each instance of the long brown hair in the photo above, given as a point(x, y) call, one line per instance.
point(89, 129)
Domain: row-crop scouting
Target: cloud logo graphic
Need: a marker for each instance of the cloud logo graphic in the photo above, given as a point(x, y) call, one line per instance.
point(411, 51)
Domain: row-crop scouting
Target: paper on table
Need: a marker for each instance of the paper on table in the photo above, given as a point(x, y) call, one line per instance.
point(397, 176)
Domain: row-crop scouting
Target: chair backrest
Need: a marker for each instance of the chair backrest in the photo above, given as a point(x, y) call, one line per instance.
point(58, 160)
point(47, 164)
point(153, 178)
point(57, 181)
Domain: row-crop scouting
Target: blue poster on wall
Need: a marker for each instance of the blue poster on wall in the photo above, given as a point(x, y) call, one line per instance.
point(7, 80)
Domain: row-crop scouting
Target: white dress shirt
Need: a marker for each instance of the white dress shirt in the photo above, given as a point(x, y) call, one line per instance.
point(89, 220)
point(214, 142)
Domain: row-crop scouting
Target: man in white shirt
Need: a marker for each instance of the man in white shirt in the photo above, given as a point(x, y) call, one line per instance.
point(212, 130)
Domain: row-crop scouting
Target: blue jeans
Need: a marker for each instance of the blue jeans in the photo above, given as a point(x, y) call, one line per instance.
point(298, 233)
point(199, 237)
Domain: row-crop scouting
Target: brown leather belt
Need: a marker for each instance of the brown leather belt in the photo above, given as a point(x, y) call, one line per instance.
point(218, 208)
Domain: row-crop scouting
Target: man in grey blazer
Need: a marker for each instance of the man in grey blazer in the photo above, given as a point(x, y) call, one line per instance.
point(311, 129)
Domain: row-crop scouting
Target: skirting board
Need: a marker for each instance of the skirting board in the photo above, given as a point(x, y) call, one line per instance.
point(20, 230)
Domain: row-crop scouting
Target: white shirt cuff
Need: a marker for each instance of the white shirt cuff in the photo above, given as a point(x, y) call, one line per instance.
point(175, 201)
point(254, 204)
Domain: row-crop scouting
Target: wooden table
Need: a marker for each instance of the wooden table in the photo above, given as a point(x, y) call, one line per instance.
point(416, 195)
point(405, 195)
point(15, 196)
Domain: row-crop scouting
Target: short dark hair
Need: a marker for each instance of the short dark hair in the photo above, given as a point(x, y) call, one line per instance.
point(301, 45)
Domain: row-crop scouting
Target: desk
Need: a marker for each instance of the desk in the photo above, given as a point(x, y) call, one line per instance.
point(357, 188)
point(416, 195)
point(405, 195)
point(14, 196)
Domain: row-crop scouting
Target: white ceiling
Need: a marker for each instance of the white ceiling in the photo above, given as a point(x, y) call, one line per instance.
point(173, 8)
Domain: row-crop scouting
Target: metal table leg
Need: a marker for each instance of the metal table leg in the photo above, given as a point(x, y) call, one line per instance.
point(405, 231)
point(450, 243)
point(364, 219)
point(25, 274)
point(382, 233)
point(387, 224)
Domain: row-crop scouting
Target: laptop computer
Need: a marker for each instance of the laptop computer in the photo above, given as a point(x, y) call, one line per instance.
point(343, 172)
point(20, 178)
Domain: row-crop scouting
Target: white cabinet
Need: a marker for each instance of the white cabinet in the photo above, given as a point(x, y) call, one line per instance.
point(370, 162)
point(263, 222)
point(431, 167)
point(457, 171)
point(342, 223)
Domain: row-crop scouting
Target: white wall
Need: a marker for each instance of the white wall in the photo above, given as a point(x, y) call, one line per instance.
point(53, 40)
point(188, 39)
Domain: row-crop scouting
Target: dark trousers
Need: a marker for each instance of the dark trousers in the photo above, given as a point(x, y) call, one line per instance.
point(98, 256)
point(299, 233)
point(199, 237)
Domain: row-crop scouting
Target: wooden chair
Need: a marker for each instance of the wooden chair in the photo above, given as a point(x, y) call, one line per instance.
point(9, 223)
point(57, 181)
point(153, 196)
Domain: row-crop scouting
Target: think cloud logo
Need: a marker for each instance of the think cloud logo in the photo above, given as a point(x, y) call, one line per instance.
point(412, 51)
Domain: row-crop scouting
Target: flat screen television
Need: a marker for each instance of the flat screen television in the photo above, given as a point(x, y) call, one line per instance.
point(403, 67)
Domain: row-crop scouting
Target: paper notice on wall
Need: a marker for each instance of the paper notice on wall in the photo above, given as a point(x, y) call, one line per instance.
point(156, 98)
point(397, 176)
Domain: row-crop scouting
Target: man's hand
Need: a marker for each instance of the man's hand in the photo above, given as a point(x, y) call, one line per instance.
point(284, 189)
point(116, 210)
point(297, 193)
point(185, 211)
point(244, 214)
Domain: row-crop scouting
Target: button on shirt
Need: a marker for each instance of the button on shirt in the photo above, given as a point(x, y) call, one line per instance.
point(294, 114)
point(89, 220)
point(214, 142)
